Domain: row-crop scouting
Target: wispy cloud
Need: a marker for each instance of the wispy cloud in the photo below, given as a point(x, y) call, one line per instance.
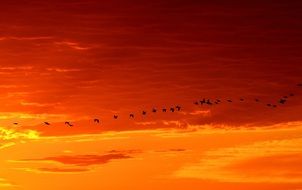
point(73, 45)
point(4, 183)
point(84, 160)
point(12, 134)
point(276, 161)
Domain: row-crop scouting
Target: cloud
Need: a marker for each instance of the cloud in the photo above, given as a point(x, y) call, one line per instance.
point(276, 161)
point(23, 38)
point(62, 70)
point(84, 160)
point(73, 45)
point(4, 183)
point(63, 170)
point(12, 134)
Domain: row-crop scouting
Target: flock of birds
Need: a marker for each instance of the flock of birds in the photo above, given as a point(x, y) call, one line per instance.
point(178, 108)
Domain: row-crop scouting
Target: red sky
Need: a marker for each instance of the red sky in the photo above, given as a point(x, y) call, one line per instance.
point(83, 59)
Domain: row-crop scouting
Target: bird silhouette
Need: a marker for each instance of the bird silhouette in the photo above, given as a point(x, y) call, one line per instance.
point(178, 108)
point(282, 101)
point(165, 110)
point(68, 123)
point(172, 109)
point(131, 115)
point(154, 110)
point(16, 123)
point(46, 123)
point(115, 116)
point(144, 112)
point(230, 101)
point(209, 102)
point(96, 121)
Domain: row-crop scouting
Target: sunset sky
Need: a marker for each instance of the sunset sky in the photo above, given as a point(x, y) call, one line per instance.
point(77, 60)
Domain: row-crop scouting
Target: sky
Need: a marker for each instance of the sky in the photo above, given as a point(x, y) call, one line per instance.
point(78, 60)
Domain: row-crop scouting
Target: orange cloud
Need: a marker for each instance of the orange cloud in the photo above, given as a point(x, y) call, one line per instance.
point(84, 160)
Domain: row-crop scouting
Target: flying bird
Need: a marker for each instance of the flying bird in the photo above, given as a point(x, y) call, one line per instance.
point(115, 116)
point(16, 123)
point(144, 112)
point(172, 109)
point(96, 121)
point(229, 100)
point(178, 108)
point(282, 101)
point(131, 115)
point(68, 123)
point(46, 123)
point(165, 110)
point(154, 110)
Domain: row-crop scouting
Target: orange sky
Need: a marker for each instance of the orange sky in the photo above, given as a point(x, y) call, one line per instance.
point(76, 60)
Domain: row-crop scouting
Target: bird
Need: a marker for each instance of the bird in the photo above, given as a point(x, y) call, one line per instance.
point(229, 100)
point(154, 110)
point(209, 102)
point(282, 101)
point(115, 116)
point(165, 110)
point(68, 123)
point(196, 103)
point(96, 121)
point(144, 112)
point(178, 108)
point(172, 109)
point(131, 115)
point(202, 101)
point(217, 100)
point(46, 123)
point(16, 123)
